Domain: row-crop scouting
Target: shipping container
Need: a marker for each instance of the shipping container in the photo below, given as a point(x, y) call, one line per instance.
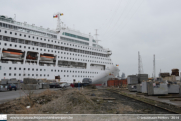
point(116, 83)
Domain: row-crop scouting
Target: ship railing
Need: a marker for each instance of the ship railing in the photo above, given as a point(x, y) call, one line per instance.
point(27, 25)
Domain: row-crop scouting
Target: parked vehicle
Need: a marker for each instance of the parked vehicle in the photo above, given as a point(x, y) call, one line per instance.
point(87, 80)
point(64, 85)
point(11, 87)
point(54, 85)
point(3, 88)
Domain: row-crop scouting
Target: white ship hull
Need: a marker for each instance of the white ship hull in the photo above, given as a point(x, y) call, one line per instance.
point(73, 55)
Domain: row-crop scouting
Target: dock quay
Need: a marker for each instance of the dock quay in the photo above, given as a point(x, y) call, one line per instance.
point(169, 102)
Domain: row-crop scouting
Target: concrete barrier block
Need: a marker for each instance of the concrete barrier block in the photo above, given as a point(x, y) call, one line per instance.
point(139, 87)
point(132, 88)
point(29, 81)
point(30, 86)
point(173, 88)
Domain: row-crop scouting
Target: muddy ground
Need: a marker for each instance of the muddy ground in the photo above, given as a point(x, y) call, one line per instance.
point(74, 101)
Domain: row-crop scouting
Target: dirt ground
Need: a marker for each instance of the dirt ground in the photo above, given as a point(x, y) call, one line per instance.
point(75, 101)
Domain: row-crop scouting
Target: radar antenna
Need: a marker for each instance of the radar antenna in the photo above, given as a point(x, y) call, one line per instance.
point(96, 34)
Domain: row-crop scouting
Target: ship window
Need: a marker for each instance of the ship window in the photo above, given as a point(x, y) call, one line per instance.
point(28, 74)
point(5, 44)
point(48, 40)
point(28, 47)
point(61, 70)
point(33, 37)
point(5, 31)
point(14, 74)
point(40, 74)
point(20, 46)
point(19, 34)
point(10, 45)
point(32, 69)
point(64, 75)
point(24, 46)
point(19, 74)
point(24, 74)
point(9, 68)
point(40, 38)
point(44, 39)
point(67, 75)
point(37, 38)
point(32, 74)
point(14, 68)
point(10, 32)
point(9, 74)
point(15, 33)
point(4, 74)
point(0, 30)
point(29, 36)
point(52, 70)
point(36, 69)
point(44, 75)
point(48, 75)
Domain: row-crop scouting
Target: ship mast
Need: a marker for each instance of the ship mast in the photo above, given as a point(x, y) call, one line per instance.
point(58, 22)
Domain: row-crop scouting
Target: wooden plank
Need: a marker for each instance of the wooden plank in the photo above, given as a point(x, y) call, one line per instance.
point(109, 98)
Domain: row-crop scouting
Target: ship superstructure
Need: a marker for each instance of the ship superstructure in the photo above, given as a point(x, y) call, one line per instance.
point(31, 51)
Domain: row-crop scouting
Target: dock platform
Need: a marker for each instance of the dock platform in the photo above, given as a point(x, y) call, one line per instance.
point(171, 102)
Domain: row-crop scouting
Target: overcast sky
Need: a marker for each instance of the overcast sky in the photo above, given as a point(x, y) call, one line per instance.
point(124, 26)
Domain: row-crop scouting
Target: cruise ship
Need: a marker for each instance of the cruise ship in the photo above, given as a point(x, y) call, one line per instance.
point(28, 51)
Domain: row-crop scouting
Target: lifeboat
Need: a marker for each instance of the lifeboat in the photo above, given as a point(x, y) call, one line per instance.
point(11, 54)
point(30, 57)
point(46, 58)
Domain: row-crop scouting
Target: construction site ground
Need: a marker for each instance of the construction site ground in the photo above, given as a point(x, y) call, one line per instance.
point(88, 100)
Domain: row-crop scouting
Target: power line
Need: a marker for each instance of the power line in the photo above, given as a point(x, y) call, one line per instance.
point(112, 16)
point(108, 14)
point(125, 17)
point(129, 19)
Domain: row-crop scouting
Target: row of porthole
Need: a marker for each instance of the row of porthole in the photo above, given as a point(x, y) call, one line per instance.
point(58, 42)
point(48, 75)
point(25, 74)
point(56, 70)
